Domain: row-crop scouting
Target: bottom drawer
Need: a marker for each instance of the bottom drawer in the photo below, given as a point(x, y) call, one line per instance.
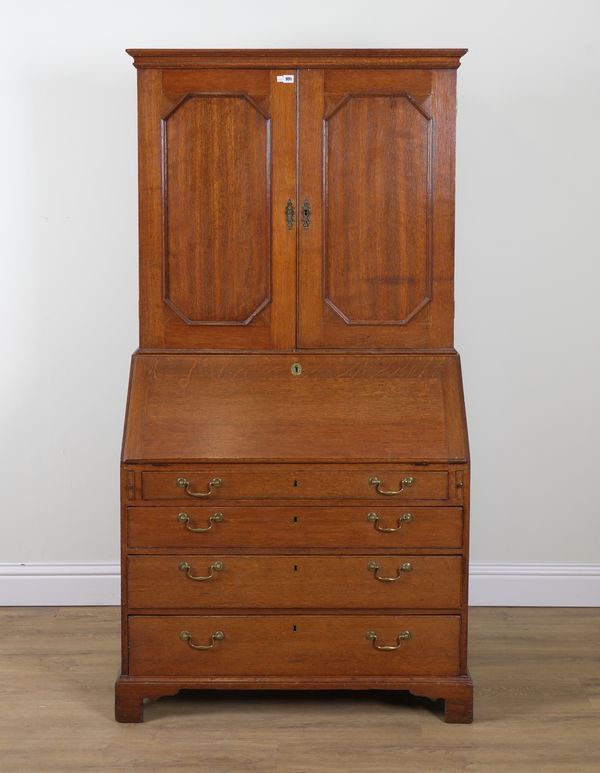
point(281, 645)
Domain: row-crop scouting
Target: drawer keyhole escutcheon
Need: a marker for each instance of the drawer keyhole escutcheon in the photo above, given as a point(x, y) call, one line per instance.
point(216, 566)
point(405, 483)
point(373, 566)
point(403, 636)
point(296, 369)
point(404, 518)
point(212, 519)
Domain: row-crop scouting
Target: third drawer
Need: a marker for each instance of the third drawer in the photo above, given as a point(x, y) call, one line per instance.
point(294, 582)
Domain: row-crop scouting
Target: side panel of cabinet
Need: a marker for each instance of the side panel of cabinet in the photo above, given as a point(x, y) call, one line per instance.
point(217, 166)
point(376, 163)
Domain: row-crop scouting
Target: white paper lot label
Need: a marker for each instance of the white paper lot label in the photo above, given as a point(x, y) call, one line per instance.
point(285, 79)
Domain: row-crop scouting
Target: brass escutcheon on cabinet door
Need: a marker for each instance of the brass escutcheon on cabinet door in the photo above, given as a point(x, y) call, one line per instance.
point(374, 519)
point(403, 636)
point(306, 213)
point(216, 566)
point(404, 484)
point(214, 637)
point(212, 519)
point(373, 566)
point(289, 214)
point(213, 483)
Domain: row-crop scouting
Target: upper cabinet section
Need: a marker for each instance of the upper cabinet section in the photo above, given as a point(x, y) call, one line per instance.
point(296, 199)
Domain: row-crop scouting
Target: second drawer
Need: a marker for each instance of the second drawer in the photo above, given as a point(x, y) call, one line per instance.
point(294, 582)
point(293, 527)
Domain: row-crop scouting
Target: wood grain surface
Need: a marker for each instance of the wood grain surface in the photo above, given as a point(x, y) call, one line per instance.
point(294, 527)
point(294, 581)
point(217, 163)
point(250, 407)
point(376, 161)
point(311, 645)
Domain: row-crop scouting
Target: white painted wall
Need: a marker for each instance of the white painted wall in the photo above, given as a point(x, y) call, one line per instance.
point(528, 253)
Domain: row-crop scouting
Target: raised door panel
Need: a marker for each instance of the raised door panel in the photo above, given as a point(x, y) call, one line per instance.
point(216, 200)
point(217, 166)
point(376, 258)
point(376, 263)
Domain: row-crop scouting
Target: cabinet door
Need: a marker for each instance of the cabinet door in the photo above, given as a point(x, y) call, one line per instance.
point(376, 157)
point(217, 166)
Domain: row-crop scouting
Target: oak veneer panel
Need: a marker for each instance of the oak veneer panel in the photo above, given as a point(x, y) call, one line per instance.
point(300, 527)
point(251, 408)
point(294, 645)
point(293, 582)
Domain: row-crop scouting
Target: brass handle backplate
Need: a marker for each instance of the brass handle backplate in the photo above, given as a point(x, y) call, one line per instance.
point(374, 519)
point(216, 566)
point(403, 636)
point(216, 636)
point(213, 483)
point(306, 213)
point(373, 566)
point(289, 214)
point(404, 484)
point(212, 519)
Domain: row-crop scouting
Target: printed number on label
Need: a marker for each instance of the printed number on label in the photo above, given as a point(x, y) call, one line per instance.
point(285, 79)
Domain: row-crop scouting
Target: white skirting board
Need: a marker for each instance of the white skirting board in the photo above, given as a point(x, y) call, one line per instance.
point(491, 585)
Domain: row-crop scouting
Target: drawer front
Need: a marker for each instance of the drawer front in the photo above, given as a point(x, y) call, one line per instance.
point(376, 483)
point(279, 645)
point(294, 582)
point(295, 527)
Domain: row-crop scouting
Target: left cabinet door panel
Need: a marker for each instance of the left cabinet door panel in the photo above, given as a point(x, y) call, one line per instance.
point(217, 168)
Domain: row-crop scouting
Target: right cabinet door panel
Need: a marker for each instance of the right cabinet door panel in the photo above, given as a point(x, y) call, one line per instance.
point(376, 174)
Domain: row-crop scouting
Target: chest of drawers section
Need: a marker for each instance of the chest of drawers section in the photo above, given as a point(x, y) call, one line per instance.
point(331, 576)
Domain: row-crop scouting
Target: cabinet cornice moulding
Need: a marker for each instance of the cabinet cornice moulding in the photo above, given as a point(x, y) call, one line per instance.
point(414, 58)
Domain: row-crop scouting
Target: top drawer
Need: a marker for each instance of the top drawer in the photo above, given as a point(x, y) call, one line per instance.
point(381, 483)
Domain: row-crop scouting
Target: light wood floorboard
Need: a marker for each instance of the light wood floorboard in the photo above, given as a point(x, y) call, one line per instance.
point(537, 707)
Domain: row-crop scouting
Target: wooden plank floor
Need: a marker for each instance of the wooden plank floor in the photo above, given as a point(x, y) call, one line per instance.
point(536, 671)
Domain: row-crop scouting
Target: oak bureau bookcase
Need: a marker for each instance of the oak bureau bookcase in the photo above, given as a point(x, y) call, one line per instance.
point(295, 466)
